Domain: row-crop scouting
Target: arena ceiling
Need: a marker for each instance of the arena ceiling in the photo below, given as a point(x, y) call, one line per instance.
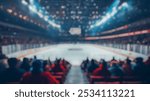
point(56, 17)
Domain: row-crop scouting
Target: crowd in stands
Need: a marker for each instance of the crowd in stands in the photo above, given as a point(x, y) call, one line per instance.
point(36, 71)
point(116, 68)
point(32, 71)
point(140, 40)
point(24, 42)
point(11, 40)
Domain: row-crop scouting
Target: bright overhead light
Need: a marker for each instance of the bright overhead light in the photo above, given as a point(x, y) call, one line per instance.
point(40, 11)
point(33, 9)
point(32, 1)
point(46, 18)
point(40, 14)
point(9, 10)
point(54, 25)
point(109, 15)
point(24, 2)
point(125, 4)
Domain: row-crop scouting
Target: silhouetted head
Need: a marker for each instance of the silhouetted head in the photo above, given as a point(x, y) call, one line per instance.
point(2, 56)
point(128, 61)
point(92, 61)
point(26, 60)
point(13, 62)
point(26, 64)
point(35, 58)
point(57, 61)
point(101, 60)
point(113, 58)
point(37, 66)
point(87, 60)
point(139, 60)
point(104, 63)
point(49, 62)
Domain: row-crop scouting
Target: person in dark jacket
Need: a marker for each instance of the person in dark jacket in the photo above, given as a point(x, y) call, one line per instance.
point(25, 66)
point(92, 66)
point(13, 74)
point(84, 64)
point(37, 75)
point(115, 70)
point(140, 68)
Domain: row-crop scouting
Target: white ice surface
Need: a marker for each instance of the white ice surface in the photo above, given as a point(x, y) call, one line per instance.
point(76, 53)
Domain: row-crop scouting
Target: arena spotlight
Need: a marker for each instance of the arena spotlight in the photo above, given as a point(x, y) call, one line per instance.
point(46, 18)
point(32, 1)
point(40, 14)
point(37, 9)
point(54, 24)
point(33, 9)
point(105, 18)
point(114, 10)
point(125, 4)
point(24, 2)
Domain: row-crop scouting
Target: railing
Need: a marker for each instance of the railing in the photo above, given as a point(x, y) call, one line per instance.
point(9, 49)
point(142, 49)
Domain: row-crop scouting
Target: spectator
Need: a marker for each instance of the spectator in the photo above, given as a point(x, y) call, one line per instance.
point(102, 69)
point(127, 68)
point(115, 70)
point(13, 74)
point(139, 69)
point(47, 72)
point(25, 66)
point(37, 76)
point(85, 64)
point(92, 66)
point(66, 64)
point(58, 67)
point(113, 61)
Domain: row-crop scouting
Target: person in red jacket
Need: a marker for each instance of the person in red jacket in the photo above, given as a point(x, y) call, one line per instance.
point(101, 70)
point(37, 76)
point(63, 65)
point(47, 72)
point(58, 67)
point(127, 68)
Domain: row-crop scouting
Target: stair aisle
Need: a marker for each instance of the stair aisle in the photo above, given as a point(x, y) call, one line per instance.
point(76, 76)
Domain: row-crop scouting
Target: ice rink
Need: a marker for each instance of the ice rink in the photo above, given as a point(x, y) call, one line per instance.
point(76, 53)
